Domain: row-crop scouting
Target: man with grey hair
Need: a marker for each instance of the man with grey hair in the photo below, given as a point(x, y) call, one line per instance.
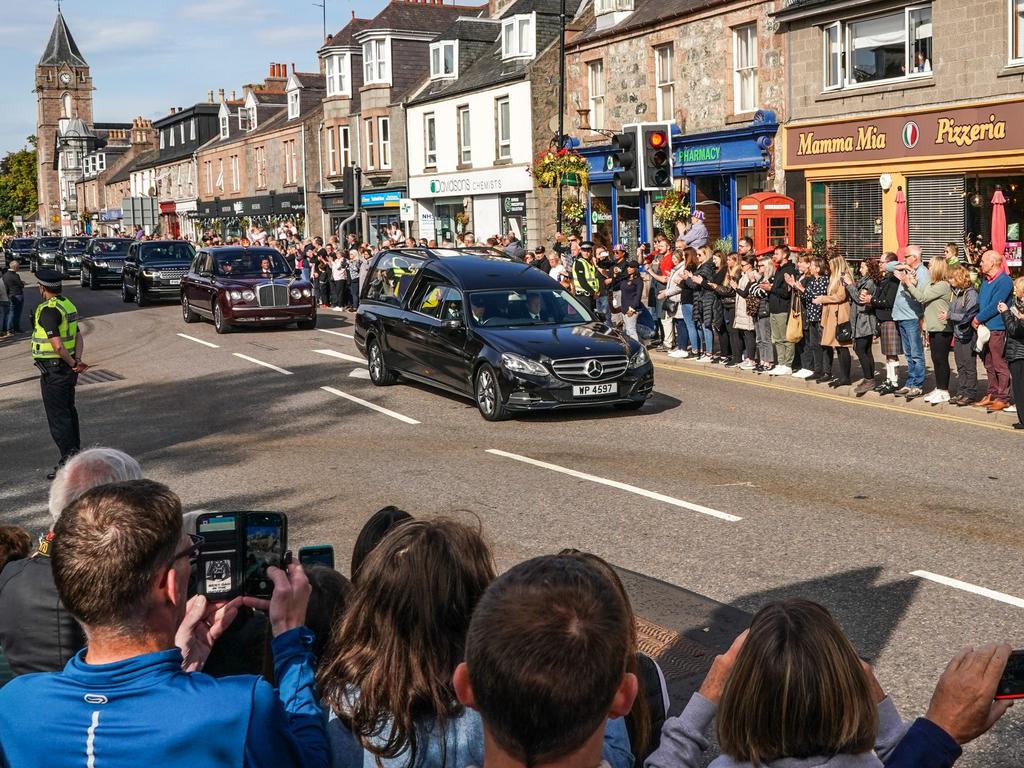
point(36, 632)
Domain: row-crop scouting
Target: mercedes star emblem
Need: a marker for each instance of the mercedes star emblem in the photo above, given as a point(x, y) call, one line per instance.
point(593, 369)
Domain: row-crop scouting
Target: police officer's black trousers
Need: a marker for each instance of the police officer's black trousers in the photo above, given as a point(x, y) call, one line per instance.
point(58, 387)
point(586, 300)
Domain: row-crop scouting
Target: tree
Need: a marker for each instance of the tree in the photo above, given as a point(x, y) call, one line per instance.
point(19, 195)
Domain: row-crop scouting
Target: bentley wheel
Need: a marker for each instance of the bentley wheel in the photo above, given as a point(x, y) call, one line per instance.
point(307, 325)
point(379, 373)
point(186, 311)
point(488, 395)
point(219, 323)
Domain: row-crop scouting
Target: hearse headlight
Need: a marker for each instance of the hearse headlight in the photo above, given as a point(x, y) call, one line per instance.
point(248, 296)
point(235, 295)
point(306, 292)
point(518, 364)
point(639, 359)
point(296, 294)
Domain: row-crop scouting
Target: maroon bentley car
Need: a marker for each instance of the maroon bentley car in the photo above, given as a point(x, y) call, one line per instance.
point(245, 286)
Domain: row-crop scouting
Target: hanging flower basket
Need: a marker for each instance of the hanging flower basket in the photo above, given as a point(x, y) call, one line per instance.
point(671, 209)
point(573, 212)
point(564, 167)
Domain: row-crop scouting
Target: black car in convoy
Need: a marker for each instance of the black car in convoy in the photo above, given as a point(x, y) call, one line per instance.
point(153, 270)
point(69, 262)
point(47, 252)
point(103, 260)
point(496, 330)
point(23, 249)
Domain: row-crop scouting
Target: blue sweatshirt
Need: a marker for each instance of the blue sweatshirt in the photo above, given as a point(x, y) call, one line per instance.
point(906, 307)
point(992, 292)
point(925, 745)
point(146, 711)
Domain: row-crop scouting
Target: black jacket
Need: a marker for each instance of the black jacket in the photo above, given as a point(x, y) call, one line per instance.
point(1014, 349)
point(631, 290)
point(780, 293)
point(36, 631)
point(14, 284)
point(885, 295)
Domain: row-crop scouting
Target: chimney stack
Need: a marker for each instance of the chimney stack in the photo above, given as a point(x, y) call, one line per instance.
point(233, 95)
point(209, 97)
point(220, 93)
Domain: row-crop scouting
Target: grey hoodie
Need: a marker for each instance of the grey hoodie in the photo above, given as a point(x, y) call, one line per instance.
point(683, 742)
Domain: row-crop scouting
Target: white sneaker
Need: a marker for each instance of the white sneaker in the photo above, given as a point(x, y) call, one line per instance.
point(939, 396)
point(803, 373)
point(747, 365)
point(780, 370)
point(1011, 409)
point(678, 353)
point(704, 359)
point(931, 397)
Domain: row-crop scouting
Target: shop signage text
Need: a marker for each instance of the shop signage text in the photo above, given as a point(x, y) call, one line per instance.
point(997, 127)
point(459, 186)
point(494, 181)
point(698, 154)
point(389, 199)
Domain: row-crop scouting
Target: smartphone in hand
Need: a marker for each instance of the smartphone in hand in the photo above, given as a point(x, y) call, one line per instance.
point(1011, 684)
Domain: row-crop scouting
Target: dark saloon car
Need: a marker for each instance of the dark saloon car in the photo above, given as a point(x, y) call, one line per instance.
point(495, 330)
point(245, 286)
point(154, 269)
point(47, 252)
point(23, 249)
point(69, 262)
point(103, 261)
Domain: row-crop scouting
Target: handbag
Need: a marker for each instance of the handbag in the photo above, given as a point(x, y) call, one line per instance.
point(844, 332)
point(795, 323)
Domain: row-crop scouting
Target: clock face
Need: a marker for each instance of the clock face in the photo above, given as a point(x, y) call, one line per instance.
point(65, 78)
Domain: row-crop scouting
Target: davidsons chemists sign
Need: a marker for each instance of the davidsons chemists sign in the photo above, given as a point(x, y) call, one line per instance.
point(936, 133)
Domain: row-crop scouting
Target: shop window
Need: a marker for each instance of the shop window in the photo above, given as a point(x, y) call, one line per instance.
point(504, 124)
point(849, 213)
point(895, 46)
point(935, 212)
point(601, 214)
point(1017, 31)
point(665, 82)
point(595, 71)
point(979, 207)
point(465, 138)
point(745, 68)
point(429, 140)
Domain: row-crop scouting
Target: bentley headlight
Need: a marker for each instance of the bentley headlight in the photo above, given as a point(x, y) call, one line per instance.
point(296, 294)
point(235, 295)
point(248, 296)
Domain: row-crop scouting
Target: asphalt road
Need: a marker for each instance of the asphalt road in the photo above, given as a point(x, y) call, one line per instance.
point(839, 500)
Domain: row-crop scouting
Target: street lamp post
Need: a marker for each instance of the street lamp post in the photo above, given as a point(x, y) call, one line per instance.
point(560, 139)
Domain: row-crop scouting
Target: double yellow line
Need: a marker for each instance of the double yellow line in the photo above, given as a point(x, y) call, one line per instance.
point(837, 398)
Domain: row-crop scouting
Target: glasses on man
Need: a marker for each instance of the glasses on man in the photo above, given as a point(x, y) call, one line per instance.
point(192, 552)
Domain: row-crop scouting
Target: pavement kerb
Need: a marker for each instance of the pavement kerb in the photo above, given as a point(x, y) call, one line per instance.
point(972, 416)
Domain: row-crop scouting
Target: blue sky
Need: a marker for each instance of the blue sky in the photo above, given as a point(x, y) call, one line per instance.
point(147, 56)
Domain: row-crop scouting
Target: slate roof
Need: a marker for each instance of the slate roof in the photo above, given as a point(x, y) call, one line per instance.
point(346, 35)
point(648, 13)
point(487, 69)
point(311, 80)
point(62, 48)
point(420, 17)
point(145, 160)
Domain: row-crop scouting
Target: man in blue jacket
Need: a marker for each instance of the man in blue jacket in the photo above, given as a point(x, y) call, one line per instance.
point(996, 287)
point(121, 563)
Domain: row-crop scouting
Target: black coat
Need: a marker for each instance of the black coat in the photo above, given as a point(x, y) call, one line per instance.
point(780, 293)
point(1014, 349)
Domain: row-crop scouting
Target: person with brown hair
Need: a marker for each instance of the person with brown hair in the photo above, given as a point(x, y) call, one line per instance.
point(935, 297)
point(961, 311)
point(882, 302)
point(864, 321)
point(15, 544)
point(546, 664)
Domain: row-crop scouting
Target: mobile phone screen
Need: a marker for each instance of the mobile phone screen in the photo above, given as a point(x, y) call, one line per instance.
point(215, 568)
point(1011, 684)
point(317, 555)
point(264, 546)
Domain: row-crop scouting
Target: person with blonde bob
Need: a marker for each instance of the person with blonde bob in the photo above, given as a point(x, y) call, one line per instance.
point(935, 298)
point(792, 689)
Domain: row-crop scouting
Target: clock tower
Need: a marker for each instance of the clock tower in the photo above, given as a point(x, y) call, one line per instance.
point(63, 92)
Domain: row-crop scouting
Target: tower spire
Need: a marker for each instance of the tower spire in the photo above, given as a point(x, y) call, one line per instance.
point(62, 48)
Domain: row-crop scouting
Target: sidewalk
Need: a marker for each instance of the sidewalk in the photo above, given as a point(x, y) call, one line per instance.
point(967, 414)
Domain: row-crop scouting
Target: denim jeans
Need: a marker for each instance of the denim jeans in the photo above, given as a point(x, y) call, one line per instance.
point(14, 314)
point(693, 339)
point(602, 308)
point(629, 325)
point(913, 349)
point(353, 286)
point(682, 333)
point(5, 315)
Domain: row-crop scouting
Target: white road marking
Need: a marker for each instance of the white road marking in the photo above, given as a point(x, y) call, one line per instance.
point(371, 406)
point(973, 588)
point(621, 486)
point(341, 356)
point(199, 341)
point(336, 333)
point(359, 373)
point(260, 362)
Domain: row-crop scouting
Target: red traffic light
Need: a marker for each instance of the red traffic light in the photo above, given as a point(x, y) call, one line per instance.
point(657, 139)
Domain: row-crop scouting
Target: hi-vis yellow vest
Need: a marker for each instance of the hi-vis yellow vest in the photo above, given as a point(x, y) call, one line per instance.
point(42, 349)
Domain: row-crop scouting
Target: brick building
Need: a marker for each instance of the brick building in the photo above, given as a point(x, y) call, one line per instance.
point(714, 70)
point(371, 67)
point(921, 98)
point(261, 164)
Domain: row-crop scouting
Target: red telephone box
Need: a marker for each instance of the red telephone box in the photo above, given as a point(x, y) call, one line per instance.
point(768, 219)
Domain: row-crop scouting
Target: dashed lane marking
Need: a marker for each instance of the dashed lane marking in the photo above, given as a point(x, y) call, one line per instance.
point(371, 406)
point(341, 356)
point(838, 398)
point(260, 362)
point(336, 333)
point(621, 486)
point(199, 341)
point(1002, 597)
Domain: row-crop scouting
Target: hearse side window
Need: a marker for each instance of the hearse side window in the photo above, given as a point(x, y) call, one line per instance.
point(392, 277)
point(438, 299)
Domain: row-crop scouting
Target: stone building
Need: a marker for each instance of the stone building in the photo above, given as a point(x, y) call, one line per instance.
point(898, 100)
point(99, 199)
point(712, 71)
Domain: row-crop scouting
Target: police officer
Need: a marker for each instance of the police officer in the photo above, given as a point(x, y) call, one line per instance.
point(585, 280)
point(57, 353)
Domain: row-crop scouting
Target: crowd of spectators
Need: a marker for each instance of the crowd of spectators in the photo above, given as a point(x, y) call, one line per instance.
point(426, 657)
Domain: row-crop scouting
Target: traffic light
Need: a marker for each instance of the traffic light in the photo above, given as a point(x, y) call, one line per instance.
point(657, 156)
point(625, 151)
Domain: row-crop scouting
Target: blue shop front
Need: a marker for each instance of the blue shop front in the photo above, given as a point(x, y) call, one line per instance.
point(715, 169)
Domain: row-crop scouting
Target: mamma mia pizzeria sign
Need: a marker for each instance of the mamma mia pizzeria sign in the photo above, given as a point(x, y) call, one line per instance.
point(968, 130)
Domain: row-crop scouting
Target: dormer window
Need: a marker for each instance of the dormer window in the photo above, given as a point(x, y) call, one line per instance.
point(293, 104)
point(225, 129)
point(336, 69)
point(376, 61)
point(246, 118)
point(610, 6)
point(444, 59)
point(518, 38)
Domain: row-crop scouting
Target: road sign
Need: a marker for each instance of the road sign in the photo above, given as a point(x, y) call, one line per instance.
point(407, 209)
